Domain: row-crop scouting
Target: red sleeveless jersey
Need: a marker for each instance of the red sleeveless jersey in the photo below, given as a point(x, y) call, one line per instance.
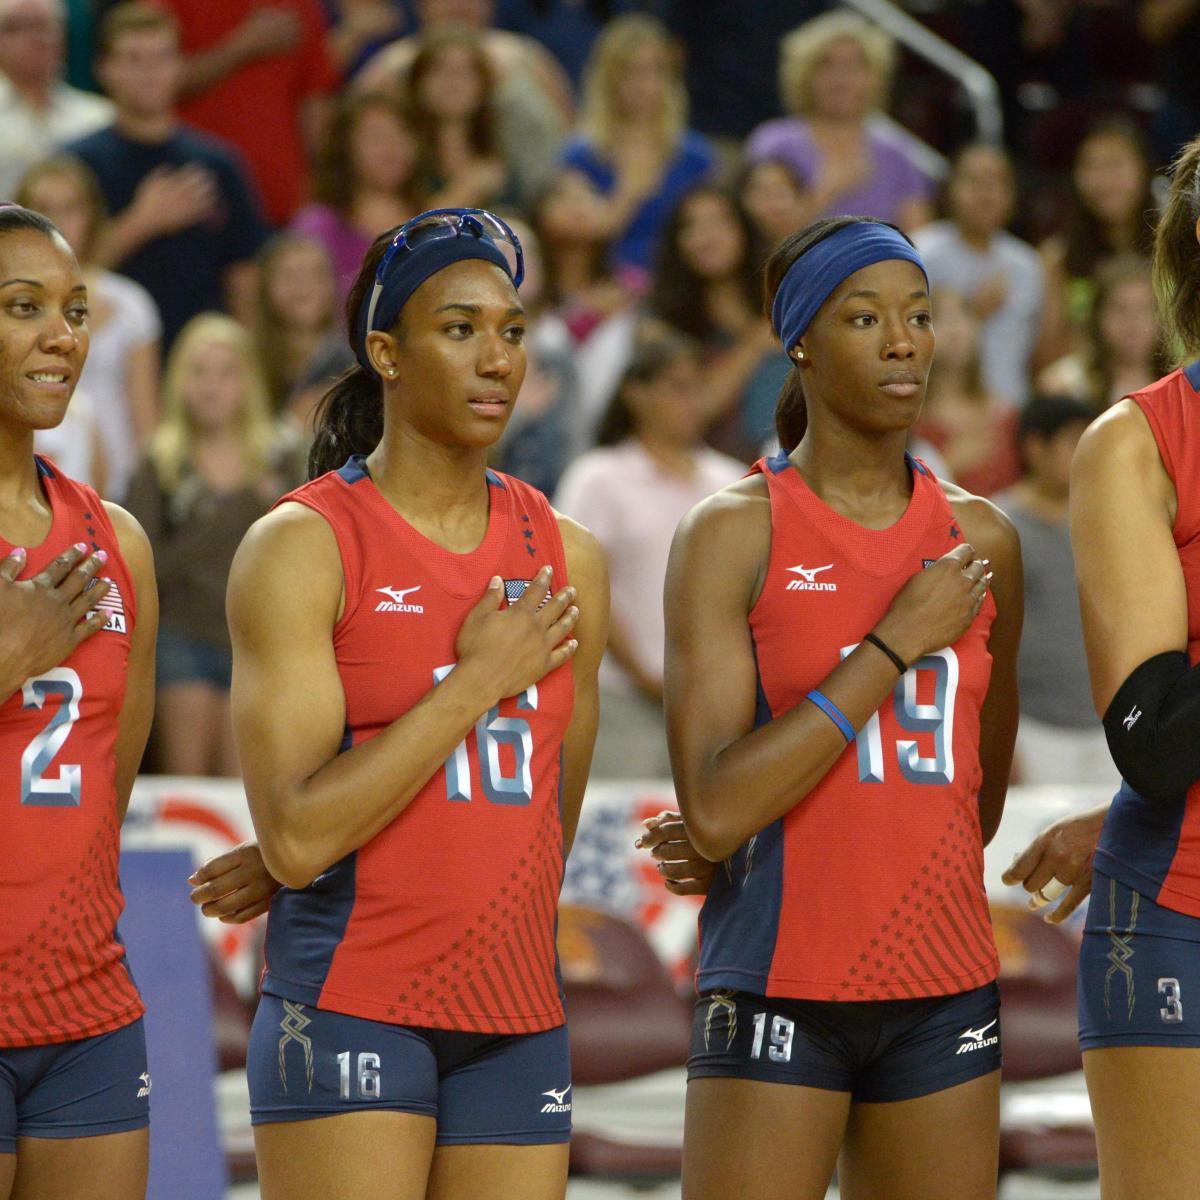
point(62, 971)
point(446, 918)
point(1155, 848)
point(871, 888)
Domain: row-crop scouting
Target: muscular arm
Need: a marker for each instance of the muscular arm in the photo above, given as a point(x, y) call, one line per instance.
point(732, 779)
point(994, 536)
point(1131, 590)
point(587, 569)
point(137, 713)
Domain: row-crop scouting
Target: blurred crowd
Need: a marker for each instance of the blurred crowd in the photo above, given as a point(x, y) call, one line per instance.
point(220, 166)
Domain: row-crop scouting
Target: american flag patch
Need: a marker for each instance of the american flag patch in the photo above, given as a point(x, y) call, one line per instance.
point(113, 606)
point(514, 589)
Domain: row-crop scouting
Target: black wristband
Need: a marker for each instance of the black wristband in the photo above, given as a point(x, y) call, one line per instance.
point(901, 665)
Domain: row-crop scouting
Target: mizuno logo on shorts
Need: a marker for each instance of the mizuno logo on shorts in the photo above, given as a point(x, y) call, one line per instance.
point(558, 1100)
point(977, 1039)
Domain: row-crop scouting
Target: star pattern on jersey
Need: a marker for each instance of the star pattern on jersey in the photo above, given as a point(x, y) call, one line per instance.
point(503, 961)
point(934, 930)
point(61, 982)
point(527, 534)
point(87, 516)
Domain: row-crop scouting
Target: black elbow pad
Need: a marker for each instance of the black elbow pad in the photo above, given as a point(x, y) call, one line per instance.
point(1153, 727)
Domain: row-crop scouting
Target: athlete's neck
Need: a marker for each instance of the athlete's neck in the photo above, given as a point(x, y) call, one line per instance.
point(24, 509)
point(864, 477)
point(440, 490)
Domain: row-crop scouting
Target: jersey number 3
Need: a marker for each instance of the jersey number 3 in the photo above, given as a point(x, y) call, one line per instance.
point(492, 731)
point(936, 718)
point(36, 788)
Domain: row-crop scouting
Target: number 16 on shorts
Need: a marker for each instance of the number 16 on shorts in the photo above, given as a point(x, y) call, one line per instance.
point(367, 1077)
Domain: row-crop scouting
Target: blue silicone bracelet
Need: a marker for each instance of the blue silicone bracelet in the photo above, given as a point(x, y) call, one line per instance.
point(834, 713)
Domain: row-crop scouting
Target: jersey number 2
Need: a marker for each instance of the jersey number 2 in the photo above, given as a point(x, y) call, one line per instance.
point(491, 732)
point(39, 754)
point(936, 718)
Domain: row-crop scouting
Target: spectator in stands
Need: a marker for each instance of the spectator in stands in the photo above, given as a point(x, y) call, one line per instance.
point(534, 102)
point(1001, 276)
point(971, 428)
point(594, 301)
point(728, 97)
point(185, 220)
point(1122, 346)
point(296, 315)
point(361, 27)
point(267, 62)
point(120, 380)
point(209, 475)
point(633, 142)
point(1060, 740)
point(38, 111)
point(451, 95)
point(834, 74)
point(365, 180)
point(1112, 212)
point(709, 286)
point(545, 431)
point(567, 28)
point(1172, 27)
point(777, 198)
point(650, 468)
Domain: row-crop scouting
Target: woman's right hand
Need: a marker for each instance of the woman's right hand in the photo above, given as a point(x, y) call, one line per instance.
point(43, 619)
point(937, 605)
point(510, 648)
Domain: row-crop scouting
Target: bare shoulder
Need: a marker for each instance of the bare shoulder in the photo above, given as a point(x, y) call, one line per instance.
point(133, 542)
point(983, 523)
point(579, 543)
point(1120, 439)
point(290, 558)
point(740, 513)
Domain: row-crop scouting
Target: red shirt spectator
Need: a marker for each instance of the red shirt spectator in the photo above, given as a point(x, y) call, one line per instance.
point(259, 78)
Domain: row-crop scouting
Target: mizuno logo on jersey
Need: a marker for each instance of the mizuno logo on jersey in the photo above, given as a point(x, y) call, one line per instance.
point(396, 602)
point(1132, 719)
point(808, 581)
point(113, 607)
point(976, 1039)
point(558, 1100)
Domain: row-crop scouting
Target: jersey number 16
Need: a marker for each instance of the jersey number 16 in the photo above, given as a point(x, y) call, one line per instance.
point(492, 731)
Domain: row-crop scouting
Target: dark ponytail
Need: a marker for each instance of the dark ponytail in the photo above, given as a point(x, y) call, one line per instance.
point(349, 419)
point(791, 413)
point(1177, 257)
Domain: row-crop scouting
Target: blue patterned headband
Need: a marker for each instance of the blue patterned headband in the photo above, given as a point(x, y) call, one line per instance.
point(816, 274)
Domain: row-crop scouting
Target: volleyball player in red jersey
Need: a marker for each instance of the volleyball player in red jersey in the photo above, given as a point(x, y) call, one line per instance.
point(838, 594)
point(1135, 533)
point(415, 703)
point(76, 697)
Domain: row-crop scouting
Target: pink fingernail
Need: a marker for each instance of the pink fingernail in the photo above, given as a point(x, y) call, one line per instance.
point(81, 547)
point(102, 556)
point(17, 552)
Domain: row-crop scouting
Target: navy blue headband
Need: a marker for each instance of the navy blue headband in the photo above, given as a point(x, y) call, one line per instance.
point(408, 270)
point(816, 274)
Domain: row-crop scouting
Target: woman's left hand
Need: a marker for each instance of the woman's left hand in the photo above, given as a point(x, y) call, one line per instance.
point(1059, 858)
point(235, 887)
point(684, 871)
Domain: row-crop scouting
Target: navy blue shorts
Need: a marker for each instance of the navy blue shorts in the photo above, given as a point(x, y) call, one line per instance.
point(1139, 971)
point(94, 1086)
point(181, 658)
point(306, 1062)
point(877, 1050)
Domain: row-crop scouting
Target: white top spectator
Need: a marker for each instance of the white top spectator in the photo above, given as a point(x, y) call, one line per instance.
point(38, 111)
